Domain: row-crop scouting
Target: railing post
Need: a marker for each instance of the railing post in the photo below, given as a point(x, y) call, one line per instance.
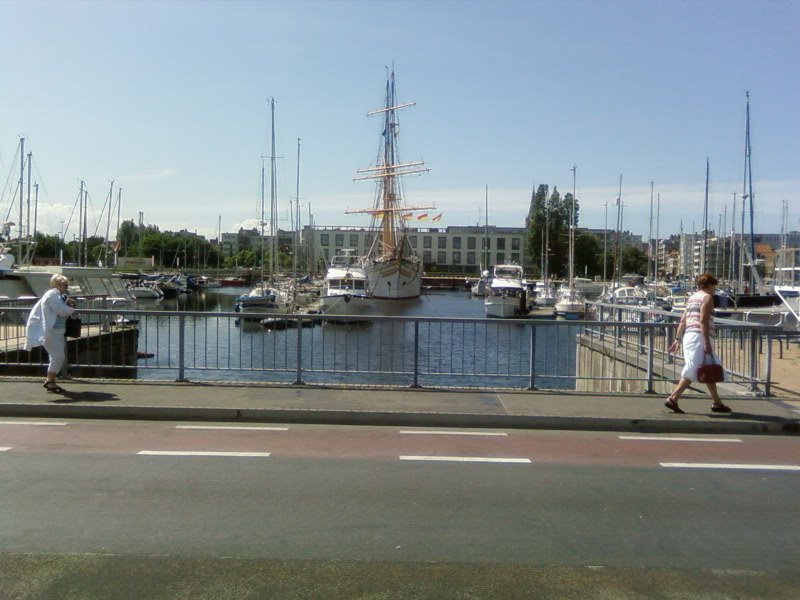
point(650, 358)
point(532, 376)
point(753, 360)
point(416, 355)
point(299, 376)
point(641, 331)
point(768, 367)
point(181, 347)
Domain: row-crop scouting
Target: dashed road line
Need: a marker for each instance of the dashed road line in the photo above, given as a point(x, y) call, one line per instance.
point(743, 467)
point(436, 432)
point(35, 423)
point(656, 438)
point(202, 453)
point(232, 427)
point(475, 459)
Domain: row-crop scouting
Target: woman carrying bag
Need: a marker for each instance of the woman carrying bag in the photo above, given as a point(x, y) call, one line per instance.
point(696, 331)
point(46, 327)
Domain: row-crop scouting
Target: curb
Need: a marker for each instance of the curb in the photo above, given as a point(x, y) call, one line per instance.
point(722, 425)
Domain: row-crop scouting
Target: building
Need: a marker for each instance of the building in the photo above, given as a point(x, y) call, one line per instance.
point(455, 249)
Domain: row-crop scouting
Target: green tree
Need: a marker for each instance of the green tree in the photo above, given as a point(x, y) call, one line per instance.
point(634, 260)
point(588, 255)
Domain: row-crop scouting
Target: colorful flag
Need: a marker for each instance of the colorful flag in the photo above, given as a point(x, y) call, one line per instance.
point(437, 217)
point(422, 217)
point(117, 246)
point(407, 216)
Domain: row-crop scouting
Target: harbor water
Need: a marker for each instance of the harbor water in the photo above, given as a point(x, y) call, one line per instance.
point(452, 352)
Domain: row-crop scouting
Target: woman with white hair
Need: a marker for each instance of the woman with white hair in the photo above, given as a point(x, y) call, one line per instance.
point(46, 327)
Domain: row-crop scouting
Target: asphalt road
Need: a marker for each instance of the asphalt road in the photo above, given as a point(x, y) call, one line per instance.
point(325, 511)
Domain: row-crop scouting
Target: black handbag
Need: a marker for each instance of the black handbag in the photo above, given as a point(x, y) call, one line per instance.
point(73, 328)
point(710, 373)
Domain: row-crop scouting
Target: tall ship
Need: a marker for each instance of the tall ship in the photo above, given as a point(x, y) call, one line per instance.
point(393, 270)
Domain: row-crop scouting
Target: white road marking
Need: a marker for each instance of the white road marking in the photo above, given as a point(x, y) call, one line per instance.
point(232, 427)
point(677, 439)
point(202, 453)
point(480, 459)
point(43, 423)
point(731, 466)
point(488, 433)
point(5, 448)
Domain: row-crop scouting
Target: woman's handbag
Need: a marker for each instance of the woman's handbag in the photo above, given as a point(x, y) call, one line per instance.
point(710, 373)
point(73, 329)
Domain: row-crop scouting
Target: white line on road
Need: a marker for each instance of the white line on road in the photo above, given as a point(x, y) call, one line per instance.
point(488, 433)
point(677, 439)
point(231, 427)
point(481, 459)
point(5, 448)
point(202, 453)
point(731, 466)
point(43, 423)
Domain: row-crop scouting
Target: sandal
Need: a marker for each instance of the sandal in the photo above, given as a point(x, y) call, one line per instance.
point(52, 386)
point(673, 406)
point(720, 408)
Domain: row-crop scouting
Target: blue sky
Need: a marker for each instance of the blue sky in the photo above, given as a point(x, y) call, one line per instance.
point(169, 99)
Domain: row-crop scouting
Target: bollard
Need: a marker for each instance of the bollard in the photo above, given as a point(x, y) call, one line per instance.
point(532, 375)
point(181, 348)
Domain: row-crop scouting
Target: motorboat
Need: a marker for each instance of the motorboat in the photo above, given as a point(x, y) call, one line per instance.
point(507, 296)
point(570, 303)
point(346, 288)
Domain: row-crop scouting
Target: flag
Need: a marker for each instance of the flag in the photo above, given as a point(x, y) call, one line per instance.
point(407, 216)
point(437, 217)
point(117, 246)
point(422, 217)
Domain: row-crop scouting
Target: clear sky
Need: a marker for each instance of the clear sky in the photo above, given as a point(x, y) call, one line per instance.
point(169, 100)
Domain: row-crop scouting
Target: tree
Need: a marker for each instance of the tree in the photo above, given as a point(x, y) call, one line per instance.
point(634, 260)
point(588, 255)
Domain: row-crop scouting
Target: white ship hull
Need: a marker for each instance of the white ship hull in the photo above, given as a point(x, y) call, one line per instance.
point(501, 307)
point(346, 305)
point(394, 280)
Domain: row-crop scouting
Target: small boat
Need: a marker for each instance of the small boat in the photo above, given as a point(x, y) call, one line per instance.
point(346, 290)
point(570, 303)
point(507, 297)
point(481, 286)
point(144, 290)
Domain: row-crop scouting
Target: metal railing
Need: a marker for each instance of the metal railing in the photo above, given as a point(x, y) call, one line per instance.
point(624, 348)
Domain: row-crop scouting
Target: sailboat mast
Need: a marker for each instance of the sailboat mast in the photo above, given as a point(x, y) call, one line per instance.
point(749, 180)
point(703, 259)
point(296, 236)
point(572, 232)
point(486, 229)
point(389, 163)
point(273, 198)
point(21, 191)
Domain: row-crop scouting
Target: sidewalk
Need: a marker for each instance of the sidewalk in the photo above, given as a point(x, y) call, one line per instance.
point(84, 399)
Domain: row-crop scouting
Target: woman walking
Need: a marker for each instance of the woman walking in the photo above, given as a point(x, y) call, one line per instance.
point(696, 330)
point(46, 327)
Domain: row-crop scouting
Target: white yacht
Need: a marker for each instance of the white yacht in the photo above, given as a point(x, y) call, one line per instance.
point(506, 297)
point(346, 290)
point(570, 303)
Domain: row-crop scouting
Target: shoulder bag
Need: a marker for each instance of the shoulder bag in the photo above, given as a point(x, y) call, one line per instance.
point(73, 329)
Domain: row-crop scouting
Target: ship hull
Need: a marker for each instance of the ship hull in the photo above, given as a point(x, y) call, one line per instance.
point(394, 280)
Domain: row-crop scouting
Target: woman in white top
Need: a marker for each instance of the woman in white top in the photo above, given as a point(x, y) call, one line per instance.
point(697, 332)
point(46, 327)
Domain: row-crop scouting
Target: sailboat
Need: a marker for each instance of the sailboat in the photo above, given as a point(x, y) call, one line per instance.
point(393, 270)
point(481, 286)
point(571, 304)
point(265, 297)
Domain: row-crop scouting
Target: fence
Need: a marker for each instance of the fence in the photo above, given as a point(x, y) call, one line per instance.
point(398, 351)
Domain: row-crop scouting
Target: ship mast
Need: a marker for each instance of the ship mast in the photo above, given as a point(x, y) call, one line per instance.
point(389, 206)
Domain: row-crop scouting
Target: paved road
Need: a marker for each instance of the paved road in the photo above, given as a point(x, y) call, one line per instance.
point(375, 508)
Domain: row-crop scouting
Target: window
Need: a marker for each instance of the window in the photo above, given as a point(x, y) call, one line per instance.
point(501, 258)
point(515, 258)
point(442, 258)
point(442, 243)
point(515, 243)
point(354, 240)
point(324, 239)
point(471, 243)
point(457, 243)
point(326, 253)
point(486, 243)
point(456, 258)
point(426, 256)
point(340, 239)
point(501, 243)
point(427, 241)
point(413, 240)
point(470, 258)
